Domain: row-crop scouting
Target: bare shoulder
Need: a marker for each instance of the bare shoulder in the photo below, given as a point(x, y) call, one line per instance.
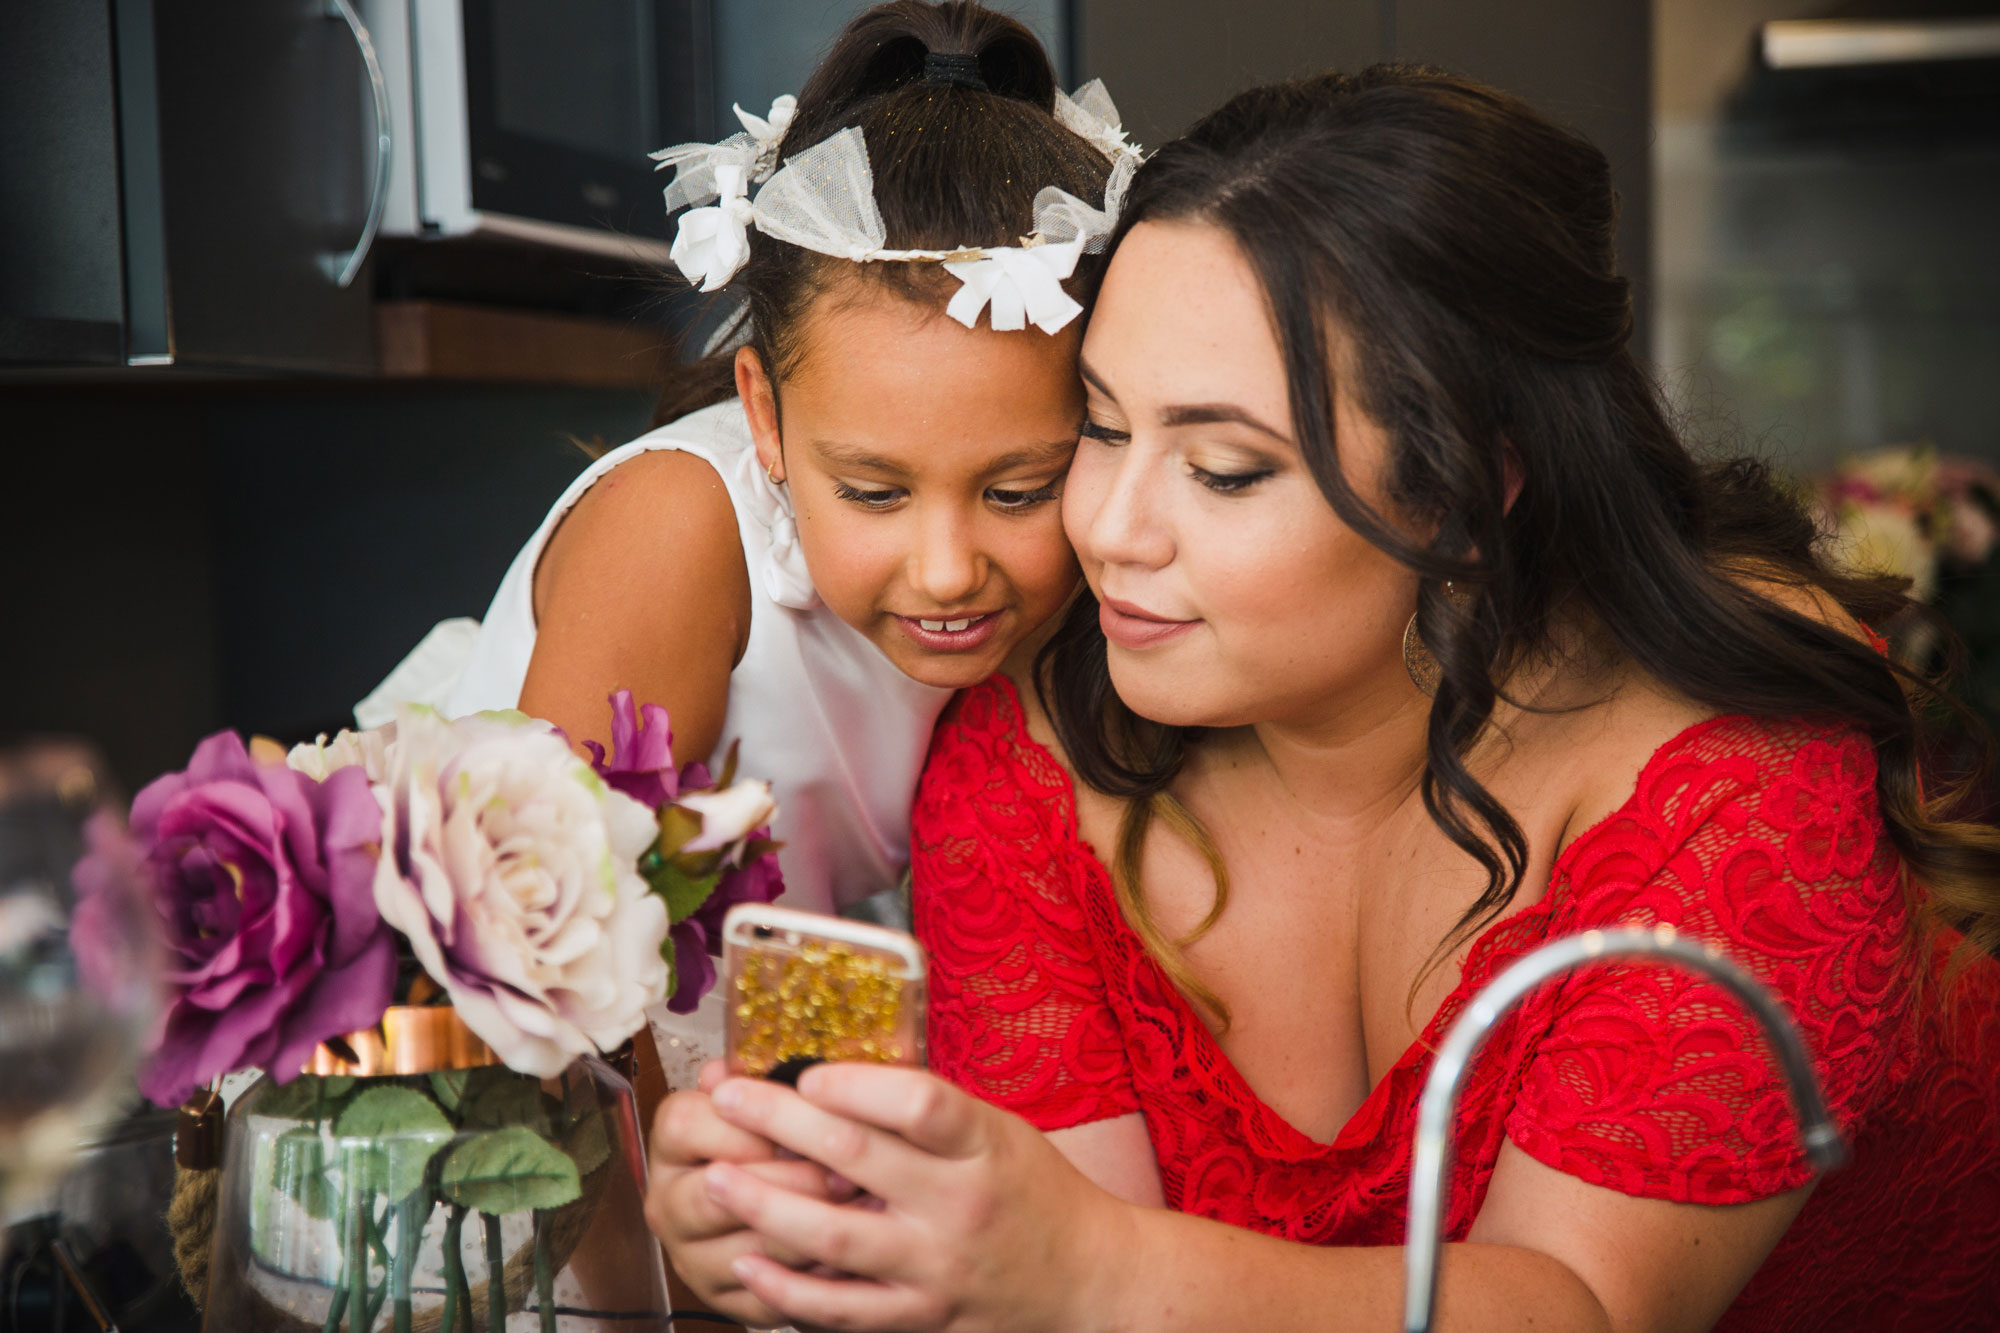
point(644, 587)
point(660, 515)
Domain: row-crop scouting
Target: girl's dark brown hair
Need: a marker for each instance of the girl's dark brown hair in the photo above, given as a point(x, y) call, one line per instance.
point(1462, 244)
point(955, 164)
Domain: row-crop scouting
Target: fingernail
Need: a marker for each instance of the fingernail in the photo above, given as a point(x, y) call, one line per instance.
point(715, 1179)
point(729, 1096)
point(743, 1269)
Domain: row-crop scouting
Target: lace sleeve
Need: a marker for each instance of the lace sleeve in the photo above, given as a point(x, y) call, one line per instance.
point(1018, 1014)
point(1766, 841)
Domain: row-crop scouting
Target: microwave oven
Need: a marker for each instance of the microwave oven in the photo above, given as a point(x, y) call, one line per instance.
point(530, 120)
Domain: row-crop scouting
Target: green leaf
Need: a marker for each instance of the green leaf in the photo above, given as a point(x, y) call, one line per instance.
point(380, 1112)
point(307, 1097)
point(391, 1135)
point(448, 1086)
point(683, 893)
point(298, 1167)
point(587, 1144)
point(498, 1098)
point(507, 1171)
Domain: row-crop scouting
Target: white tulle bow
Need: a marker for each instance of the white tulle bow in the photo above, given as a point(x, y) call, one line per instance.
point(823, 199)
point(712, 244)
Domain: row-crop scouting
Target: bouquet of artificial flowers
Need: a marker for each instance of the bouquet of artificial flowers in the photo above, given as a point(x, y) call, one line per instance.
point(321, 906)
point(549, 900)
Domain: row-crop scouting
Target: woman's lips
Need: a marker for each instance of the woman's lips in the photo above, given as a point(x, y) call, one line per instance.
point(1131, 626)
point(938, 636)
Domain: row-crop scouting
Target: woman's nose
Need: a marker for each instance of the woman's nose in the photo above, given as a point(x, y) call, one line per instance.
point(1123, 524)
point(948, 567)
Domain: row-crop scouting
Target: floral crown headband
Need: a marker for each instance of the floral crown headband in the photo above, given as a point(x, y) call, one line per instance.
point(823, 200)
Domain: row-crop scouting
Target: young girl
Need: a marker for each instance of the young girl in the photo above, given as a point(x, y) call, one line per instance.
point(1430, 642)
point(855, 513)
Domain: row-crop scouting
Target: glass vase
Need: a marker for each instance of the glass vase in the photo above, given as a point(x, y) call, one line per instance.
point(408, 1181)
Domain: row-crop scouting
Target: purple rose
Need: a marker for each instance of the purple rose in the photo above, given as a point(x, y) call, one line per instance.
point(642, 753)
point(264, 879)
point(700, 935)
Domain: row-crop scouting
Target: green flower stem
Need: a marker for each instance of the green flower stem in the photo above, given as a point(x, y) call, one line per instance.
point(496, 1275)
point(378, 1230)
point(545, 1281)
point(357, 1259)
point(454, 1266)
point(336, 1308)
point(409, 1221)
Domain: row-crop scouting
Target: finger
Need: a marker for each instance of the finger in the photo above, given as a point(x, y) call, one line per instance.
point(687, 1132)
point(852, 1240)
point(833, 1303)
point(709, 1271)
point(680, 1210)
point(802, 1177)
point(873, 1159)
point(914, 1104)
point(711, 1074)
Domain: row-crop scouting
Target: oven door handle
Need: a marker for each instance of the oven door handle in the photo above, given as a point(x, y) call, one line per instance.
point(342, 268)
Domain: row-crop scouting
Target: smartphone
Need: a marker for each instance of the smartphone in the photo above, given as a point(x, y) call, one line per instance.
point(804, 988)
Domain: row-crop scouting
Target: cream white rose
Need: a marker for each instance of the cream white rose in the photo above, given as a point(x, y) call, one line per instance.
point(513, 874)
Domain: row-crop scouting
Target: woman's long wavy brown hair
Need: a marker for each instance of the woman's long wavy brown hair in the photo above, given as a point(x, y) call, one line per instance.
point(954, 165)
point(1462, 244)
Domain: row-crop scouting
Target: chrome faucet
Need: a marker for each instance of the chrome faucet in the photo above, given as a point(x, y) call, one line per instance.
point(1430, 1162)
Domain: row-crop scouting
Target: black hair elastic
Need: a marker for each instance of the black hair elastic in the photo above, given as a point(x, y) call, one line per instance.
point(962, 70)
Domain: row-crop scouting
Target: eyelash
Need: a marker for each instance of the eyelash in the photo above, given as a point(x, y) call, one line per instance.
point(1222, 483)
point(1229, 483)
point(1013, 502)
point(866, 499)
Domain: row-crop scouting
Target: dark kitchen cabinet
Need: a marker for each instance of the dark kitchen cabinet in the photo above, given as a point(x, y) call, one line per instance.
point(184, 183)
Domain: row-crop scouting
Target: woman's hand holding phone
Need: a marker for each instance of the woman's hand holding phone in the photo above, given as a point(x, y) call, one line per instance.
point(701, 1237)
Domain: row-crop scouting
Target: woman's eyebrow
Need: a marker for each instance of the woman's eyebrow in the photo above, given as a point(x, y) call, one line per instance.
point(1208, 414)
point(1191, 414)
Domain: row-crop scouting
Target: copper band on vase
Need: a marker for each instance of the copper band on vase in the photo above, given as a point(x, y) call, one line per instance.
point(410, 1039)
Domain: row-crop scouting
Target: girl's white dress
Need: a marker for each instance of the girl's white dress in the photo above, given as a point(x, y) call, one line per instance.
point(838, 730)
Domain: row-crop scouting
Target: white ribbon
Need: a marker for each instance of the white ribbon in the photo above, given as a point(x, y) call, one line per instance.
point(697, 166)
point(1023, 285)
point(767, 132)
point(712, 244)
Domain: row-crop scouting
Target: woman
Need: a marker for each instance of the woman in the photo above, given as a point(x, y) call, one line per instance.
point(1429, 642)
point(855, 513)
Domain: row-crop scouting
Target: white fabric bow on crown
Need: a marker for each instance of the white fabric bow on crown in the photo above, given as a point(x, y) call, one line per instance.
point(823, 200)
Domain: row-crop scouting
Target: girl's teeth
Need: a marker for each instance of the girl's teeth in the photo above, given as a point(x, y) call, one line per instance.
point(945, 626)
point(954, 626)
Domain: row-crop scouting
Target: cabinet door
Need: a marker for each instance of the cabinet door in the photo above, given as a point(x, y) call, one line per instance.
point(267, 160)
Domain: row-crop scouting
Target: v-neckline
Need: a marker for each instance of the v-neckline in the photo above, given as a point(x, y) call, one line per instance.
point(1359, 1129)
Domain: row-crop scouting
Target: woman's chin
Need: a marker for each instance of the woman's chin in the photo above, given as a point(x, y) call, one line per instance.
point(1168, 698)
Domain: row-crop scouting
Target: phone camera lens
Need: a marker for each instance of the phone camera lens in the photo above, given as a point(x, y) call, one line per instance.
point(762, 932)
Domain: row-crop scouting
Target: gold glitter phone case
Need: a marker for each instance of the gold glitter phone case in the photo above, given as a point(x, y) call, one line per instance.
point(804, 988)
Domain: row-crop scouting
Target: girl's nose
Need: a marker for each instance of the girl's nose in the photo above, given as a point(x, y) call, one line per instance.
point(947, 566)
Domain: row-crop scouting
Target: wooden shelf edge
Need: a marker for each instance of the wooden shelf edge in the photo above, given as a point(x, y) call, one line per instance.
point(443, 340)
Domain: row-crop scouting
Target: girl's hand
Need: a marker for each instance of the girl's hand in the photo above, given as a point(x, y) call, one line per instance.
point(701, 1238)
point(972, 1199)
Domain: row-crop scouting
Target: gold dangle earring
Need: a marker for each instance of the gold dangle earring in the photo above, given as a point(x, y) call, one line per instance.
point(1417, 659)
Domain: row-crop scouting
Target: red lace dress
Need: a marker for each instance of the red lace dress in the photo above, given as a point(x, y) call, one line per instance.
point(1763, 837)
